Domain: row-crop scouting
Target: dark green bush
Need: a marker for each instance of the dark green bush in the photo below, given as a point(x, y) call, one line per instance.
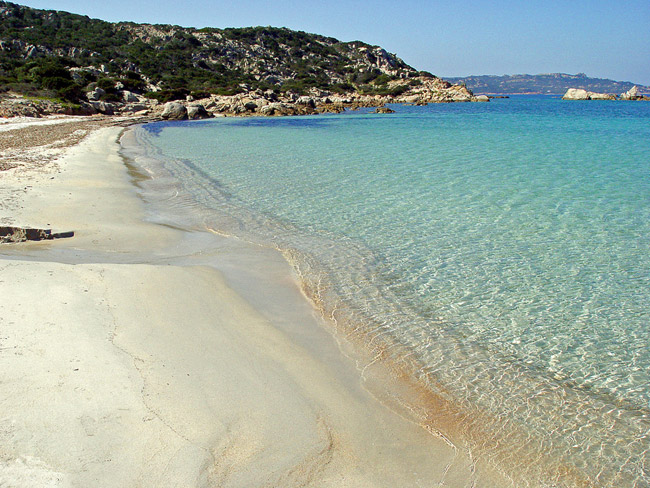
point(71, 93)
point(106, 84)
point(56, 82)
point(111, 97)
point(87, 77)
point(342, 88)
point(366, 76)
point(164, 96)
point(135, 85)
point(200, 94)
point(398, 90)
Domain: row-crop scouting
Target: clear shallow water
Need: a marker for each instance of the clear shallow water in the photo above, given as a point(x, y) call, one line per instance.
point(499, 251)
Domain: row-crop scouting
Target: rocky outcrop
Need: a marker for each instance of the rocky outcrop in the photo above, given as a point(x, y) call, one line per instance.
point(95, 95)
point(384, 110)
point(12, 105)
point(576, 94)
point(416, 91)
point(632, 94)
point(197, 112)
point(174, 111)
point(129, 97)
point(103, 107)
point(424, 90)
point(601, 96)
point(580, 94)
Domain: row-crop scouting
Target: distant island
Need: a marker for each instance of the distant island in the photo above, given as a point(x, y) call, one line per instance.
point(59, 62)
point(543, 84)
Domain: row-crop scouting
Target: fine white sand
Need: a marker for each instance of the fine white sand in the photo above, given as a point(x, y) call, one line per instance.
point(138, 355)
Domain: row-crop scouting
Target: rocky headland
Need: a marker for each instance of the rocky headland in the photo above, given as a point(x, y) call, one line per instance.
point(54, 62)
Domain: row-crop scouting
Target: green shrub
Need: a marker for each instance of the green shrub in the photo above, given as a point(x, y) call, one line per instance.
point(382, 79)
point(398, 90)
point(164, 96)
point(228, 90)
point(71, 93)
point(342, 88)
point(110, 97)
point(56, 82)
point(106, 84)
point(199, 94)
point(363, 77)
point(135, 85)
point(87, 77)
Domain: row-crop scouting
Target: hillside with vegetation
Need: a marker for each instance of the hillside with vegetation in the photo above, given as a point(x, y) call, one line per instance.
point(59, 54)
point(545, 84)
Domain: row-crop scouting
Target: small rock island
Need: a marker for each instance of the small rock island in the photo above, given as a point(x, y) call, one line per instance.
point(581, 94)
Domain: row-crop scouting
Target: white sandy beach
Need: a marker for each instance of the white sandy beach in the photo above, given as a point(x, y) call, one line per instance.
point(127, 359)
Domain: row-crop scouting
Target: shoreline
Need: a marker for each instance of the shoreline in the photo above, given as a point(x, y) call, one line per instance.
point(435, 405)
point(157, 354)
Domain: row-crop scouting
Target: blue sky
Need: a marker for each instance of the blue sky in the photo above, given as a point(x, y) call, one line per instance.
point(600, 38)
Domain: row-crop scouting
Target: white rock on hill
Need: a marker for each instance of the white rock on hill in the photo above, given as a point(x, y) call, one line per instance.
point(95, 95)
point(129, 97)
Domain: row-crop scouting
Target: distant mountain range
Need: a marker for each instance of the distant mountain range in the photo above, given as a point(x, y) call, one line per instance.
point(545, 84)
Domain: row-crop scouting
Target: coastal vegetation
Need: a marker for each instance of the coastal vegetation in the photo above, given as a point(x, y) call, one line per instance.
point(63, 55)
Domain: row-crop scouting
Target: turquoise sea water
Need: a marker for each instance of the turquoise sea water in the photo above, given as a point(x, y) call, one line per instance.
point(499, 252)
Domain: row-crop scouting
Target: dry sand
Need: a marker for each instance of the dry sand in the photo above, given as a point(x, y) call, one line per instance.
point(138, 355)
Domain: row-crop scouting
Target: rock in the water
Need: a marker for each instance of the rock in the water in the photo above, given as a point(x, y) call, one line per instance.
point(384, 110)
point(580, 94)
point(482, 98)
point(174, 111)
point(576, 94)
point(631, 94)
point(601, 96)
point(197, 112)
